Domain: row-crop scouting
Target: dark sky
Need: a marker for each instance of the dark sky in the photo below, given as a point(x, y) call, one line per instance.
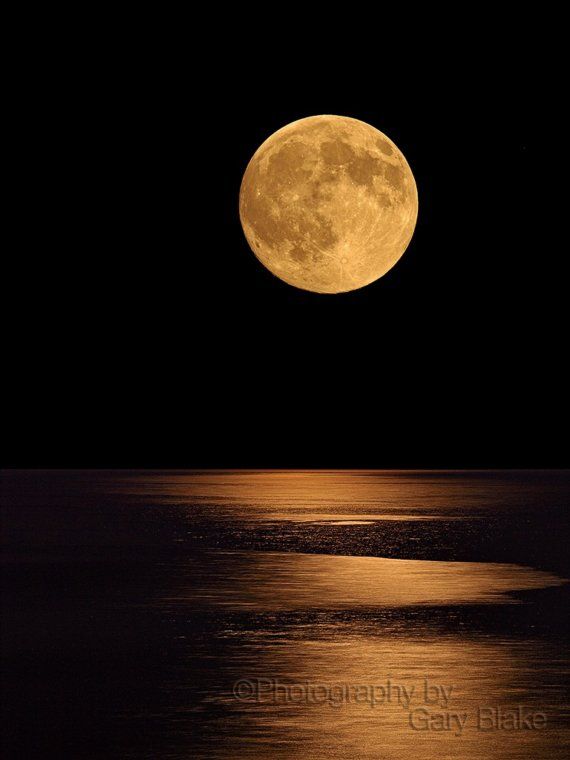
point(143, 332)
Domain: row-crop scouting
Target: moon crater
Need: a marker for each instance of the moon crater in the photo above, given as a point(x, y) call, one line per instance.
point(328, 204)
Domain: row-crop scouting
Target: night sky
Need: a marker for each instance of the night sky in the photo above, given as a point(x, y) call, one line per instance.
point(141, 330)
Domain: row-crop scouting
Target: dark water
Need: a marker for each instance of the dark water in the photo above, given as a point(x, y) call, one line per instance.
point(252, 614)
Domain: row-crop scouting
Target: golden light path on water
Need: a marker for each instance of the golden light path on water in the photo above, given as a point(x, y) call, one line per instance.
point(316, 678)
point(477, 675)
point(322, 683)
point(300, 492)
point(325, 622)
point(285, 581)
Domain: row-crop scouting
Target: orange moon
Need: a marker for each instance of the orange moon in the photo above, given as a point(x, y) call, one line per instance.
point(328, 204)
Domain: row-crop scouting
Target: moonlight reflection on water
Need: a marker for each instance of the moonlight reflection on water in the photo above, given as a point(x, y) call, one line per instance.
point(136, 601)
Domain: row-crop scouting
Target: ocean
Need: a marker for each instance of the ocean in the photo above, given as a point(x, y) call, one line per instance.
point(284, 614)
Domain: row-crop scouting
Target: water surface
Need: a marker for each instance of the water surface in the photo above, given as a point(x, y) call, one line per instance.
point(135, 602)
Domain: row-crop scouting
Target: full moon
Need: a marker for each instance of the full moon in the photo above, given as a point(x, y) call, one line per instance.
point(328, 204)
